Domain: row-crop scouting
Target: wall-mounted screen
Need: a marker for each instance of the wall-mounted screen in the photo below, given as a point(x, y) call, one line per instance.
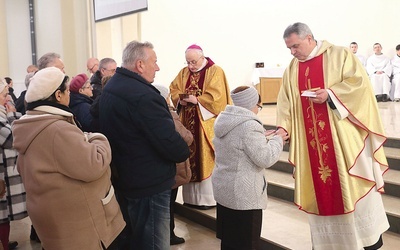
point(107, 9)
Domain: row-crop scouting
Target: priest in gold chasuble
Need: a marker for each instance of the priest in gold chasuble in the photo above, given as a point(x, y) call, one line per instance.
point(327, 106)
point(200, 92)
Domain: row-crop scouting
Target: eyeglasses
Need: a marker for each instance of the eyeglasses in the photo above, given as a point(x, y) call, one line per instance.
point(90, 69)
point(194, 62)
point(88, 87)
point(111, 70)
point(259, 107)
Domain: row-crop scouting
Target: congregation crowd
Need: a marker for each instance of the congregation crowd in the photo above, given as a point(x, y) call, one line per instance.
point(96, 161)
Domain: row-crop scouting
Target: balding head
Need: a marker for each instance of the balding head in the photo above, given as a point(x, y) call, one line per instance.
point(92, 65)
point(31, 68)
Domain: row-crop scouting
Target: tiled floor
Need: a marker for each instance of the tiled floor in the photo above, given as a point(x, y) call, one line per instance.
point(284, 224)
point(20, 231)
point(199, 238)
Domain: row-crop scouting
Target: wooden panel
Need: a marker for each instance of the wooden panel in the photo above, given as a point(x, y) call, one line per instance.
point(269, 89)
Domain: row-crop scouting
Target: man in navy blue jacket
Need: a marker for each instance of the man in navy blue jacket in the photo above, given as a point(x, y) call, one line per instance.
point(145, 147)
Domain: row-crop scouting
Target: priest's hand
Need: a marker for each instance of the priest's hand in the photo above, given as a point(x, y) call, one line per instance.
point(191, 99)
point(322, 96)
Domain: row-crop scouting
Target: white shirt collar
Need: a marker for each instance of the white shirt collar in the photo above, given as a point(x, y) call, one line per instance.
point(314, 51)
point(205, 61)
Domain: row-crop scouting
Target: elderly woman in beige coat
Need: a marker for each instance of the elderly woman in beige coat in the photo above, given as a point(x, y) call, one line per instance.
point(66, 172)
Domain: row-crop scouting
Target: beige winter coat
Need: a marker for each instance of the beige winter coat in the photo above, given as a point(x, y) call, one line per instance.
point(183, 172)
point(67, 178)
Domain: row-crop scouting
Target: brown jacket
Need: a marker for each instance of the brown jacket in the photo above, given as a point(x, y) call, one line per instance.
point(66, 174)
point(183, 172)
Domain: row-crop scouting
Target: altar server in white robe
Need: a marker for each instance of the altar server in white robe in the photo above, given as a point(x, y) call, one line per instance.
point(379, 70)
point(395, 91)
point(354, 49)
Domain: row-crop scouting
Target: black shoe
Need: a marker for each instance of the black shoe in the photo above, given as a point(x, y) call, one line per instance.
point(205, 207)
point(175, 240)
point(385, 98)
point(34, 235)
point(200, 207)
point(12, 244)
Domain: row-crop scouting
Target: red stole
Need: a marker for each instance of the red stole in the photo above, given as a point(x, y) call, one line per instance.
point(321, 152)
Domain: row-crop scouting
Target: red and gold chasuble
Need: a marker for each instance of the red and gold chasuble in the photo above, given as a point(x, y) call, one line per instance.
point(191, 120)
point(321, 152)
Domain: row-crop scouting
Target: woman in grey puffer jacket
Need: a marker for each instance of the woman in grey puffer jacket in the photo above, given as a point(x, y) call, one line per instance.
point(242, 152)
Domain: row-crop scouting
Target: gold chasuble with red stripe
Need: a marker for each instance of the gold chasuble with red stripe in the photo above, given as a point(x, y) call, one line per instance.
point(337, 155)
point(321, 150)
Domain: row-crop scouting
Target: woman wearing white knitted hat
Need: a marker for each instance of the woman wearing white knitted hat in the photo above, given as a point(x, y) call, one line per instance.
point(242, 152)
point(66, 172)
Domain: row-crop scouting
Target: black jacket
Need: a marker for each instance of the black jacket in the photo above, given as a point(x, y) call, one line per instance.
point(145, 146)
point(20, 103)
point(80, 105)
point(95, 81)
point(11, 93)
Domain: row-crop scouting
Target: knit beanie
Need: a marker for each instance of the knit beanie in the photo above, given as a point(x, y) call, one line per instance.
point(77, 82)
point(43, 84)
point(164, 91)
point(247, 98)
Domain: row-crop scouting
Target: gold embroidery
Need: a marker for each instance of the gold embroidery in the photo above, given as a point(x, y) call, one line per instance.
point(191, 123)
point(193, 88)
point(317, 143)
point(324, 172)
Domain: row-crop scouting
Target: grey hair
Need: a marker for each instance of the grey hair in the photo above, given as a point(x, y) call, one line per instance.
point(103, 62)
point(135, 51)
point(47, 59)
point(300, 29)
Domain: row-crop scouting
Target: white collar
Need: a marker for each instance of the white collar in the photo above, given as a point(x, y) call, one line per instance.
point(205, 61)
point(314, 51)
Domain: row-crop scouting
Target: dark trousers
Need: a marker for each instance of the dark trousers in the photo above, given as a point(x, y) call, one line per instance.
point(174, 193)
point(238, 229)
